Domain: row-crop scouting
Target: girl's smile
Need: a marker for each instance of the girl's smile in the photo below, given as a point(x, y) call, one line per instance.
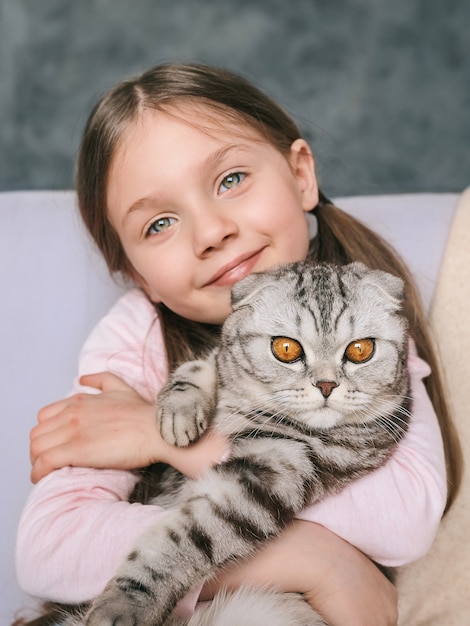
point(200, 203)
point(236, 270)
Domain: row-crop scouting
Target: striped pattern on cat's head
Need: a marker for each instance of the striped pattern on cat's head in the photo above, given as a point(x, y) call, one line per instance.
point(316, 344)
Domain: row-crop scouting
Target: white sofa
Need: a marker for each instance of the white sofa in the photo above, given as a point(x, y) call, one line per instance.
point(55, 287)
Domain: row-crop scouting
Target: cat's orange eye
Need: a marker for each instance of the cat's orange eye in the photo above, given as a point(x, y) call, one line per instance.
point(286, 350)
point(360, 351)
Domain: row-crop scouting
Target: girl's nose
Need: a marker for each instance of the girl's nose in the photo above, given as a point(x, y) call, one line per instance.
point(212, 229)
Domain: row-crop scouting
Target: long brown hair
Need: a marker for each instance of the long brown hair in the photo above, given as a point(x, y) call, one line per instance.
point(340, 238)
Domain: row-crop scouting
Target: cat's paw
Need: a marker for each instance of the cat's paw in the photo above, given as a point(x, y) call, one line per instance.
point(115, 606)
point(183, 413)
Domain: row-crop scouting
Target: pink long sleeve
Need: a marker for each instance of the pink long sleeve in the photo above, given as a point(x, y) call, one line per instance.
point(77, 525)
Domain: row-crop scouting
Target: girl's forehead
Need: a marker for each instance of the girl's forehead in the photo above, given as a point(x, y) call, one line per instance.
point(160, 142)
point(215, 122)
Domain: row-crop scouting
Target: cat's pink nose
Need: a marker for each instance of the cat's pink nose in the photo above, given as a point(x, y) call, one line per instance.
point(326, 387)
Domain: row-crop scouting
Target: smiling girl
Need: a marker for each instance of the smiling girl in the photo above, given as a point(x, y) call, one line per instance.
point(189, 179)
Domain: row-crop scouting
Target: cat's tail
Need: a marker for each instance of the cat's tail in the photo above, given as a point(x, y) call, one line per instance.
point(253, 608)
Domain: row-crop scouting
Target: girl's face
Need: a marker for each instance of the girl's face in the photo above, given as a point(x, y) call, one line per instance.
point(200, 203)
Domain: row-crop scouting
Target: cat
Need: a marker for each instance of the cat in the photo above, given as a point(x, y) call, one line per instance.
point(310, 384)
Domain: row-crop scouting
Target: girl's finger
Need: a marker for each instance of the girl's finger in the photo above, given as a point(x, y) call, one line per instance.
point(55, 458)
point(44, 427)
point(51, 410)
point(43, 440)
point(71, 403)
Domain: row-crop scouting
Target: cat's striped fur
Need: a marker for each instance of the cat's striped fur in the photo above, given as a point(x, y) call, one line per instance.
point(310, 384)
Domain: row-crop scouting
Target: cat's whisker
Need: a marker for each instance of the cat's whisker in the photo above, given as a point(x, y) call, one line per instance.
point(392, 428)
point(391, 423)
point(398, 409)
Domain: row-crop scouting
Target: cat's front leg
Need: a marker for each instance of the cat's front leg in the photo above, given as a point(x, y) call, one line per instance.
point(161, 569)
point(185, 405)
point(134, 597)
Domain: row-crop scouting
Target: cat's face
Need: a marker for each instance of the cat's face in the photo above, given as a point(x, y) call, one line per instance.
point(322, 345)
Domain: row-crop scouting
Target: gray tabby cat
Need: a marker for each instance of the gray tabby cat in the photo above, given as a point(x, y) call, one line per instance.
point(310, 384)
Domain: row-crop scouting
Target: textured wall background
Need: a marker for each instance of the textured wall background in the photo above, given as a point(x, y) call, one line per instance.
point(381, 88)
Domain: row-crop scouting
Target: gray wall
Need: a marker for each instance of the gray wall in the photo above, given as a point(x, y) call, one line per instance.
point(380, 87)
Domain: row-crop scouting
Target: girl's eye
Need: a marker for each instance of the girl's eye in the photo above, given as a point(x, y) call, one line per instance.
point(231, 180)
point(160, 225)
point(360, 351)
point(286, 350)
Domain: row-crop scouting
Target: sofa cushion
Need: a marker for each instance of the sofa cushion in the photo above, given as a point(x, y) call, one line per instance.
point(435, 591)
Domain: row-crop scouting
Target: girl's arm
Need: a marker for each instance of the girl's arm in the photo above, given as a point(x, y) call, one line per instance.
point(77, 524)
point(75, 530)
point(337, 580)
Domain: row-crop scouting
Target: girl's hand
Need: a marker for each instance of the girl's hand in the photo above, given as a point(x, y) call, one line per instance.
point(340, 582)
point(115, 429)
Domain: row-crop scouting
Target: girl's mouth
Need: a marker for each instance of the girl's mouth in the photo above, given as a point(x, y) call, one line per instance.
point(234, 271)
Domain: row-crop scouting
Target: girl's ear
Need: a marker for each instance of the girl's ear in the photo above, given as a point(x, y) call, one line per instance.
point(303, 167)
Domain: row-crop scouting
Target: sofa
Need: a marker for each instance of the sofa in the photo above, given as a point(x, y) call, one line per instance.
point(55, 288)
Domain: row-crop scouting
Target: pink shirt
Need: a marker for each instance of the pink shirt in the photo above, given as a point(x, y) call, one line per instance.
point(77, 525)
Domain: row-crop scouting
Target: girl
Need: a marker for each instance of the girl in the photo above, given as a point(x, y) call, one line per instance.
point(189, 178)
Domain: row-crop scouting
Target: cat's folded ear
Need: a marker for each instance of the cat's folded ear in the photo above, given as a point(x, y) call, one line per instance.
point(247, 289)
point(386, 282)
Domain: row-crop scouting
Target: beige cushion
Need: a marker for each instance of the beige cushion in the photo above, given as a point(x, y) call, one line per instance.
point(436, 590)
